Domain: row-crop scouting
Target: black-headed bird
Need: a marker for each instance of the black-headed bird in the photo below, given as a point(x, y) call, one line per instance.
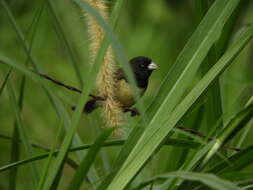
point(142, 67)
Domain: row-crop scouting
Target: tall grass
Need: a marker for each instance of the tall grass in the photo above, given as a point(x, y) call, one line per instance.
point(188, 112)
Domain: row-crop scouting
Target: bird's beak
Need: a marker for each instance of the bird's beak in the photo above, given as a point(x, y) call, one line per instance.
point(152, 66)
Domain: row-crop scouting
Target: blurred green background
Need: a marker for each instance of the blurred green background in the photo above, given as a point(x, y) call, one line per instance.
point(158, 29)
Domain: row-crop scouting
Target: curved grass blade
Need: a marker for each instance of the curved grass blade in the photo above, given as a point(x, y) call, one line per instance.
point(86, 163)
point(56, 103)
point(233, 127)
point(153, 135)
point(234, 163)
point(169, 142)
point(209, 180)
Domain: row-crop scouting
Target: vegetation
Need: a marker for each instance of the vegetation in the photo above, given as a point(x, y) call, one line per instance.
point(194, 128)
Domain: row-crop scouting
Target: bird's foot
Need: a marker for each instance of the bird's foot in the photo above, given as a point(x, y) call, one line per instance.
point(133, 111)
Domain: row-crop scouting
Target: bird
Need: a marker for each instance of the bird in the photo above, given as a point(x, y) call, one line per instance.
point(142, 68)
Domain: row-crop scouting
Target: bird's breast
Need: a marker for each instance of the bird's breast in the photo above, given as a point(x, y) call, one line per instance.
point(124, 93)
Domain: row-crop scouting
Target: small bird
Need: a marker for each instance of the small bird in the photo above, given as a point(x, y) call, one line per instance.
point(142, 68)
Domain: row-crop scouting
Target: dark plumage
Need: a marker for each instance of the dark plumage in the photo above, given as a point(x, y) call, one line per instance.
point(142, 68)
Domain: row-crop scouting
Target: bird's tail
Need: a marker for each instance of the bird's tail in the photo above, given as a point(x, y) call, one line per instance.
point(89, 106)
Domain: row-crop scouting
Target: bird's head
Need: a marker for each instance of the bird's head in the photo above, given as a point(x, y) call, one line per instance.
point(142, 68)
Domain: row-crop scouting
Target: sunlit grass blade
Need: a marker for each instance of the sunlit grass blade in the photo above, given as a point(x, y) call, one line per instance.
point(184, 69)
point(209, 180)
point(214, 103)
point(86, 163)
point(153, 135)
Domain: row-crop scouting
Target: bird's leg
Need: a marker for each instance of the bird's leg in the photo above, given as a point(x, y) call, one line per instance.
point(133, 111)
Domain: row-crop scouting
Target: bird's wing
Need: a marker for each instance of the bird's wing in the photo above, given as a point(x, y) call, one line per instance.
point(120, 74)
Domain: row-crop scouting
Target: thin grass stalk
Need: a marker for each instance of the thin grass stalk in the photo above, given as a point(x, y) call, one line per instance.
point(62, 36)
point(56, 103)
point(49, 159)
point(6, 78)
point(23, 133)
point(15, 140)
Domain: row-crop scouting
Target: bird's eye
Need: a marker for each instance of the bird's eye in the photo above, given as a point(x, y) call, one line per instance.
point(142, 65)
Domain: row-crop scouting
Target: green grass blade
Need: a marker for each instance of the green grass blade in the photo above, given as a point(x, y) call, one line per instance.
point(239, 161)
point(84, 96)
point(49, 159)
point(56, 103)
point(194, 52)
point(234, 163)
point(201, 7)
point(62, 35)
point(15, 150)
point(168, 142)
point(59, 161)
point(15, 140)
point(6, 78)
point(209, 180)
point(22, 132)
point(214, 104)
point(234, 126)
point(189, 59)
point(86, 163)
point(153, 135)
point(189, 165)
